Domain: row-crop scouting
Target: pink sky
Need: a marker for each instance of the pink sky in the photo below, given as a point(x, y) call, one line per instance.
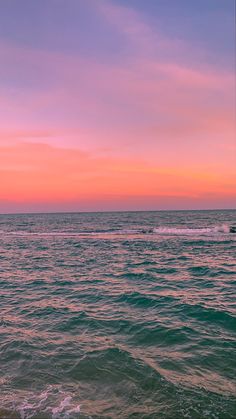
point(149, 127)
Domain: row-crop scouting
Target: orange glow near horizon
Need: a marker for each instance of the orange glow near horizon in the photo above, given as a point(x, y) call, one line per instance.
point(42, 173)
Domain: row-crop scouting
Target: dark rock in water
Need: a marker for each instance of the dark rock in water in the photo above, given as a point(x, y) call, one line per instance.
point(148, 231)
point(232, 229)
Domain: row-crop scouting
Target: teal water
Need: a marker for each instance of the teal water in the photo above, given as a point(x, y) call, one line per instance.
point(118, 315)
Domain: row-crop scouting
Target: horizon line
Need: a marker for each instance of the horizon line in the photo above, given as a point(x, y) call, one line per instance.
point(114, 211)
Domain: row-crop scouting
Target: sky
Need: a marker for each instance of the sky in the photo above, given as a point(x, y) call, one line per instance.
point(117, 105)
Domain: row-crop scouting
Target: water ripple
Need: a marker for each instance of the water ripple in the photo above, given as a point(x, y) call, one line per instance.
point(102, 318)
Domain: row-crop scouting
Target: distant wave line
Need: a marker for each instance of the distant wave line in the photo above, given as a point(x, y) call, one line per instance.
point(160, 230)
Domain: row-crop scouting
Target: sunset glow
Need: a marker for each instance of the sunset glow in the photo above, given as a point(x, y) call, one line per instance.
point(114, 105)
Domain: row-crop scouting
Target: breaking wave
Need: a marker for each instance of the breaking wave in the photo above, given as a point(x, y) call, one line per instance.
point(193, 231)
point(161, 230)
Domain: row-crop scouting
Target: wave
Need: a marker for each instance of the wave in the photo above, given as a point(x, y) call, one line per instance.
point(193, 231)
point(71, 234)
point(161, 230)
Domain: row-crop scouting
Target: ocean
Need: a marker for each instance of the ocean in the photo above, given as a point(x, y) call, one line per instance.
point(118, 315)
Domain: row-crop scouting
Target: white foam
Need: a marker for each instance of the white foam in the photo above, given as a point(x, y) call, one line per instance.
point(64, 403)
point(192, 231)
point(53, 401)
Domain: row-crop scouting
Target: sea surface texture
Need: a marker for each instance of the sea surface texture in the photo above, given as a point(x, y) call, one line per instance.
point(118, 315)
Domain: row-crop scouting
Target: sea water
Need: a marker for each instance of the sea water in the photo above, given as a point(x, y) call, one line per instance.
point(118, 315)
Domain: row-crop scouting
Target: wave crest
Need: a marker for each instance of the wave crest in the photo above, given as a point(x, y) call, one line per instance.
point(196, 231)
